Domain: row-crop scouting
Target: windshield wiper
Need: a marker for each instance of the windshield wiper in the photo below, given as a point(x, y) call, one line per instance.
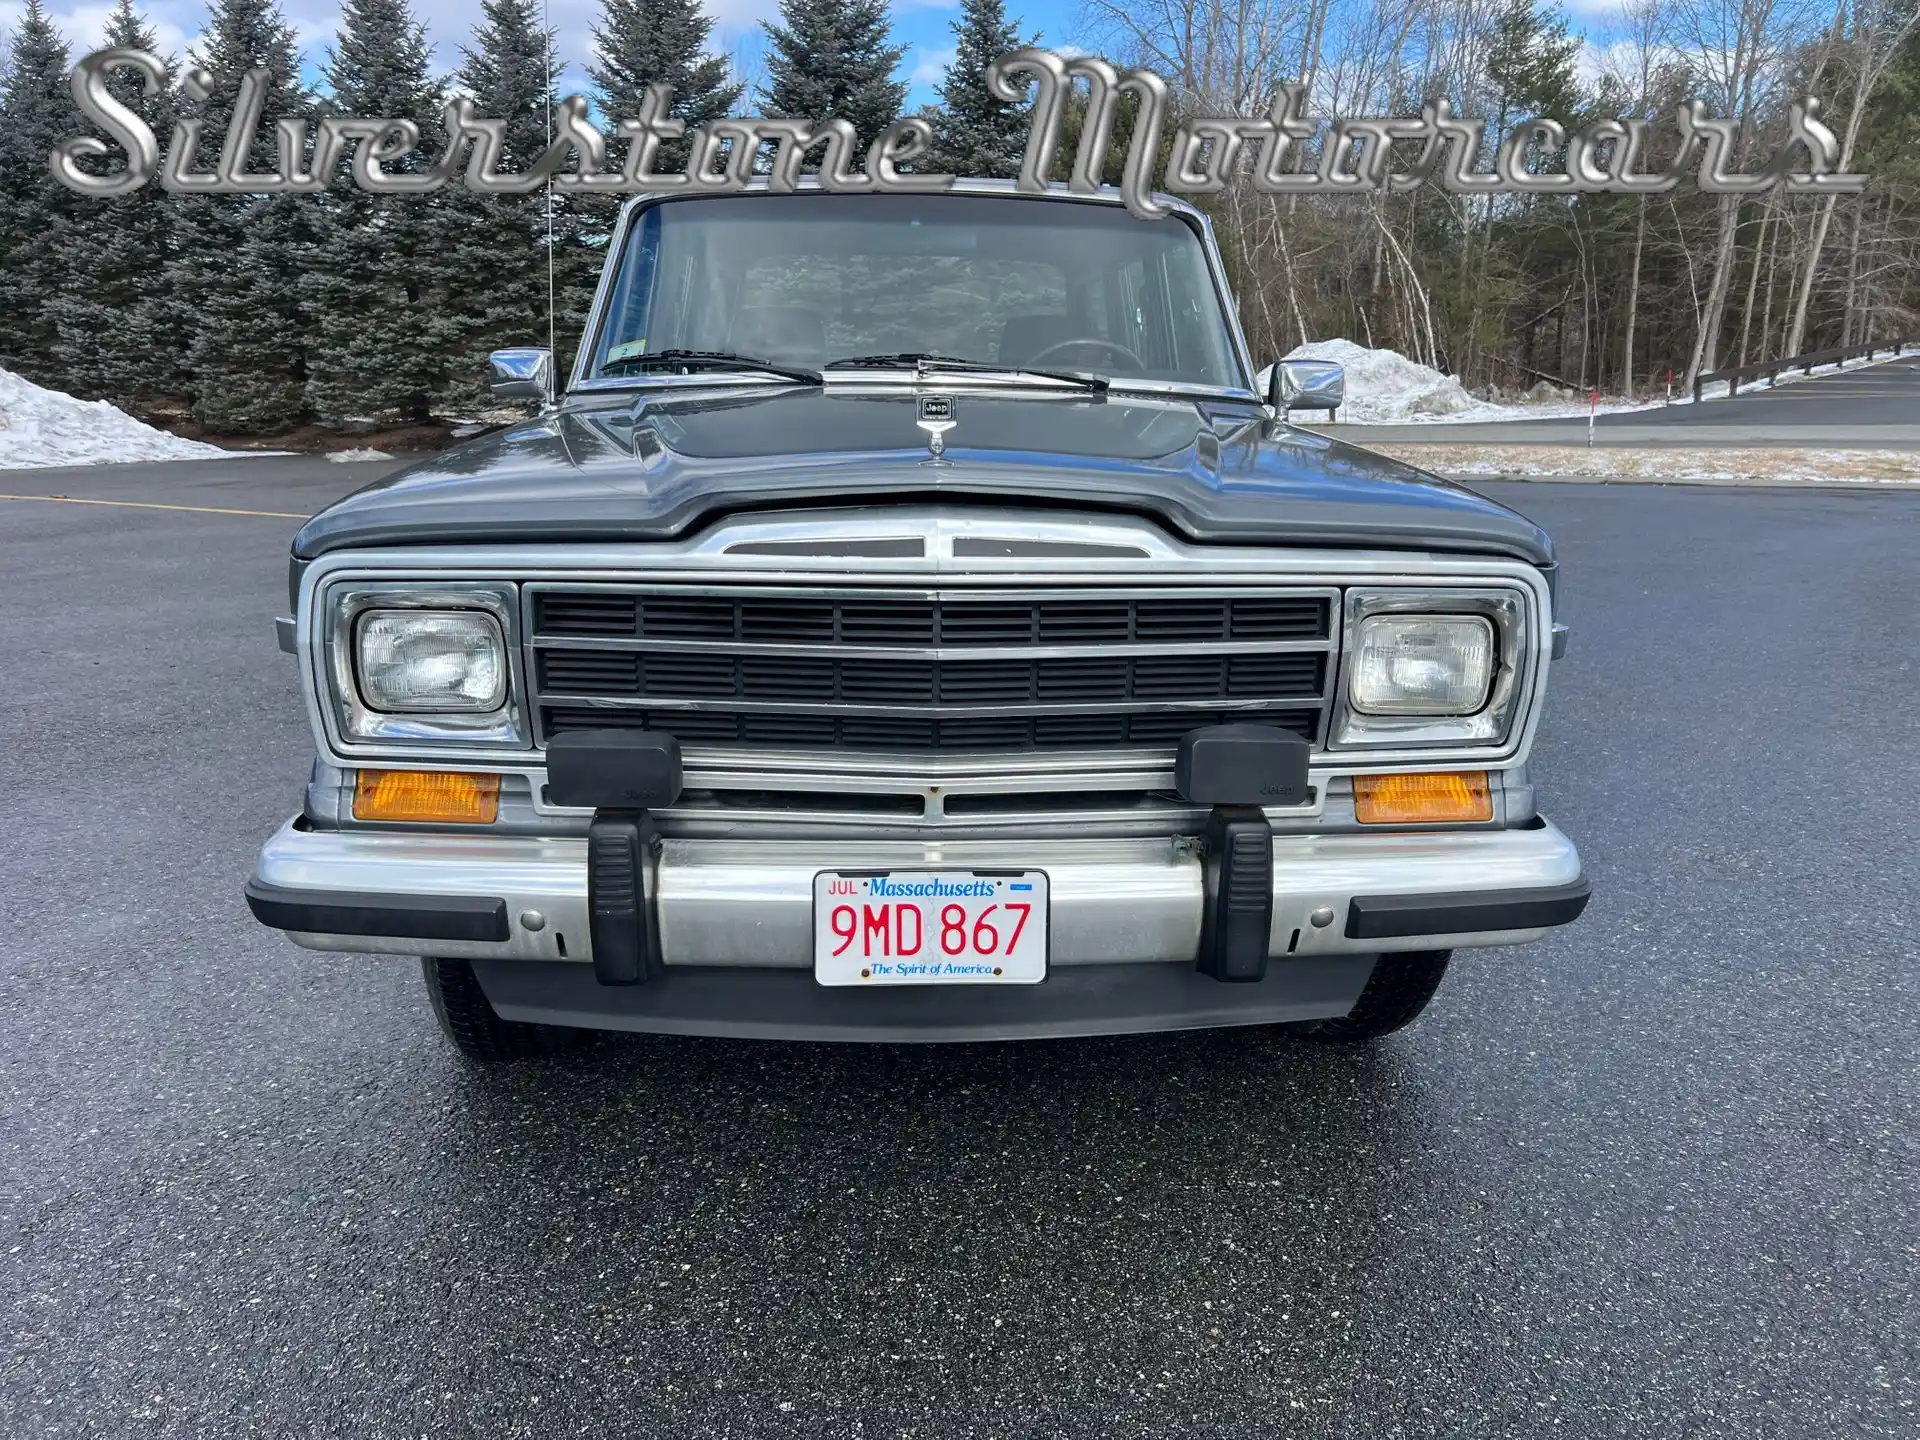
point(925, 363)
point(718, 360)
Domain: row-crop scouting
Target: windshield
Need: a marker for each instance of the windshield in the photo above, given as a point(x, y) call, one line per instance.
point(807, 280)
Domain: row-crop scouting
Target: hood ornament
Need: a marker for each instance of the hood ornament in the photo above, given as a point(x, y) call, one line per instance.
point(936, 418)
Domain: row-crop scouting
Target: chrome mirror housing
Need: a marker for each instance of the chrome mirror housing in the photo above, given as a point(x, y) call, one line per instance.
point(521, 375)
point(1307, 385)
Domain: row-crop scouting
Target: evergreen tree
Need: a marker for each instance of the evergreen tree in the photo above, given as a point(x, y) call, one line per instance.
point(119, 337)
point(975, 131)
point(239, 259)
point(659, 42)
point(832, 60)
point(494, 247)
point(380, 331)
point(36, 111)
point(1530, 64)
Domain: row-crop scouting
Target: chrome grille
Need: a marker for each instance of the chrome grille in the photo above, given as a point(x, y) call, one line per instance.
point(913, 670)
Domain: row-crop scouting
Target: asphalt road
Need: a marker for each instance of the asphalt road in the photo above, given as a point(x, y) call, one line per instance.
point(1656, 1176)
point(1868, 407)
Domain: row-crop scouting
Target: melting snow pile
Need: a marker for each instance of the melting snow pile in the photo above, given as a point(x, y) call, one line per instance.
point(44, 427)
point(1385, 387)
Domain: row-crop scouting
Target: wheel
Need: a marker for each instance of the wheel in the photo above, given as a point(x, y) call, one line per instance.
point(461, 1007)
point(1395, 994)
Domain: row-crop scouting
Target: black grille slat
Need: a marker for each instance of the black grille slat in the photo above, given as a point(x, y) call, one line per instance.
point(787, 622)
point(886, 732)
point(691, 617)
point(1079, 732)
point(1178, 677)
point(590, 672)
point(676, 672)
point(1278, 617)
point(1084, 622)
point(790, 730)
point(794, 678)
point(989, 623)
point(884, 682)
point(1180, 620)
point(1283, 673)
point(886, 622)
point(587, 614)
point(1083, 680)
point(987, 682)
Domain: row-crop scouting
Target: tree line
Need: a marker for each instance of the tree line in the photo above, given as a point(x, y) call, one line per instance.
point(1609, 291)
point(252, 315)
point(256, 314)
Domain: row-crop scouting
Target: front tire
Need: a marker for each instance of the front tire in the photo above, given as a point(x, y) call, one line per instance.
point(465, 1017)
point(1394, 995)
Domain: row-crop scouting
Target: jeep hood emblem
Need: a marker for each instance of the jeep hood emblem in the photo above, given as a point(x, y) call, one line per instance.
point(936, 418)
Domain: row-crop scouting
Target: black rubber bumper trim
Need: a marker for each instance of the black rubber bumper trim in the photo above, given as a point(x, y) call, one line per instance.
point(345, 912)
point(1383, 917)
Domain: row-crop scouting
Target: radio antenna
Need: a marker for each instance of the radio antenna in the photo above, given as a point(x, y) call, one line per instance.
point(546, 40)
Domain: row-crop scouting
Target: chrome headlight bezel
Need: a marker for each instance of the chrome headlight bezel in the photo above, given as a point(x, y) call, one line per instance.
point(359, 722)
point(1507, 611)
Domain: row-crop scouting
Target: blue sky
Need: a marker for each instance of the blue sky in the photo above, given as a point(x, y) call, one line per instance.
point(924, 26)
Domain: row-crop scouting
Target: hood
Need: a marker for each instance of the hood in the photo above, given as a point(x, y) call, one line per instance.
point(657, 464)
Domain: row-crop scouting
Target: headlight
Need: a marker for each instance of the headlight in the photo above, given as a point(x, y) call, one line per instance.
point(415, 664)
point(431, 661)
point(1427, 668)
point(1422, 665)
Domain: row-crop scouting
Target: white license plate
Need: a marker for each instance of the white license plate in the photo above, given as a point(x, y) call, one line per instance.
point(930, 927)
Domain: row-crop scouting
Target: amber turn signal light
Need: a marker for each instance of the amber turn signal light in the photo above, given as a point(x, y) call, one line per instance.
point(1421, 799)
point(426, 796)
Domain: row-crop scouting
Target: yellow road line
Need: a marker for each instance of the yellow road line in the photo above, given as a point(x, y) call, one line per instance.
point(149, 505)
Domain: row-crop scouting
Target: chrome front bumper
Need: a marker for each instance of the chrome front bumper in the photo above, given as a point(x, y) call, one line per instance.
point(731, 903)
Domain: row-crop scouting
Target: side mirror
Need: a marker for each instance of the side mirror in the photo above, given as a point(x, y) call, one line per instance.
point(1306, 385)
point(521, 375)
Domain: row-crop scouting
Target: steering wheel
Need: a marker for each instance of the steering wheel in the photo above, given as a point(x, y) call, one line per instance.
point(1113, 347)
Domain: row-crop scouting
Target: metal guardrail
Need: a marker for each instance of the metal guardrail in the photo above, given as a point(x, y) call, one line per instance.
point(1805, 364)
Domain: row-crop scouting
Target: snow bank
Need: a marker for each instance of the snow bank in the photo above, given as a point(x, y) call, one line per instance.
point(44, 427)
point(1385, 387)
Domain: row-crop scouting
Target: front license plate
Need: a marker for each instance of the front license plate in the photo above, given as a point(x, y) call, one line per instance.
point(930, 927)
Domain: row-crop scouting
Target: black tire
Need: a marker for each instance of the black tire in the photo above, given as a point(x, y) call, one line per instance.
point(1395, 994)
point(461, 1007)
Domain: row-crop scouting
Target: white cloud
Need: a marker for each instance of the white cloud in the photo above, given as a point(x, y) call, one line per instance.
point(930, 66)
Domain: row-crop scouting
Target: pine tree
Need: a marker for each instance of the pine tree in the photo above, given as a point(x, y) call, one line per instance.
point(119, 338)
point(831, 60)
point(239, 259)
point(975, 131)
point(380, 332)
point(659, 42)
point(36, 111)
point(494, 247)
